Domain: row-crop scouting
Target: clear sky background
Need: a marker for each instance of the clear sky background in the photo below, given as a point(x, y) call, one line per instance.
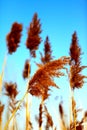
point(59, 20)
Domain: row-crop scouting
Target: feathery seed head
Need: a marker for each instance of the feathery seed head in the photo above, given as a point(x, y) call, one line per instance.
point(26, 70)
point(13, 38)
point(11, 89)
point(33, 39)
point(43, 78)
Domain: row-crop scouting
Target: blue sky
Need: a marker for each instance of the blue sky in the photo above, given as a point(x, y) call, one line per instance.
point(59, 20)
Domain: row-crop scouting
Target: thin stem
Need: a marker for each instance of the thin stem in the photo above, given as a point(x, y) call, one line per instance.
point(71, 113)
point(2, 73)
point(16, 126)
point(0, 124)
point(40, 128)
point(70, 98)
point(74, 110)
point(14, 123)
point(74, 120)
point(27, 107)
point(27, 113)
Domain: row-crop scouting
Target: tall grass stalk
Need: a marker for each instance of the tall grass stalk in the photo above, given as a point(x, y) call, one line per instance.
point(70, 106)
point(2, 73)
point(74, 120)
point(40, 128)
point(74, 113)
point(27, 113)
point(0, 124)
point(13, 127)
point(73, 117)
point(14, 124)
point(70, 101)
point(62, 126)
point(27, 106)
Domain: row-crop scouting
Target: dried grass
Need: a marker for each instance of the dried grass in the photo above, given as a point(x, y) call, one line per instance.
point(2, 73)
point(40, 83)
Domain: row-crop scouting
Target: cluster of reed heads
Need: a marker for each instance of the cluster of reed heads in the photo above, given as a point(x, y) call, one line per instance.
point(41, 82)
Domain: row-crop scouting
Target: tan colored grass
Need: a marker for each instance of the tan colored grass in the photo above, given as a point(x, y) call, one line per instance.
point(2, 73)
point(27, 113)
point(13, 114)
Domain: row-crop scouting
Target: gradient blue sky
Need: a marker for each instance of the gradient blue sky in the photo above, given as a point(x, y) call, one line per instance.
point(59, 20)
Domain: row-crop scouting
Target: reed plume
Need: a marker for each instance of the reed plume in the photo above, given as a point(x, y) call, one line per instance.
point(43, 78)
point(11, 92)
point(34, 39)
point(26, 70)
point(76, 78)
point(13, 38)
point(47, 52)
point(11, 89)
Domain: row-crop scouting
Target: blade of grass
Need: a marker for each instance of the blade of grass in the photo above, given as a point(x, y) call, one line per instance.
point(27, 107)
point(40, 128)
point(74, 120)
point(74, 114)
point(70, 105)
point(0, 124)
point(2, 73)
point(27, 113)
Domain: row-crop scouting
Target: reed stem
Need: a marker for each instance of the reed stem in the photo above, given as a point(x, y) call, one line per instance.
point(27, 113)
point(70, 105)
point(2, 73)
point(0, 124)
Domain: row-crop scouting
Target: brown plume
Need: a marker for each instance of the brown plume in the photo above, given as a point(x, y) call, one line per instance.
point(33, 39)
point(76, 78)
point(43, 78)
point(26, 70)
point(47, 52)
point(75, 50)
point(11, 89)
point(13, 38)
